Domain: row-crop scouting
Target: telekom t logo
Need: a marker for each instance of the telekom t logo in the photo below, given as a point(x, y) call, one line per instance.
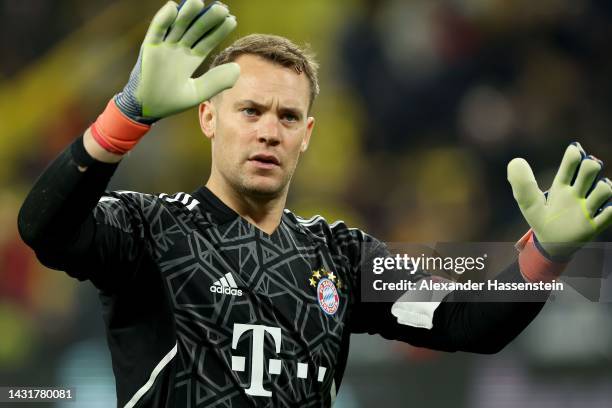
point(257, 362)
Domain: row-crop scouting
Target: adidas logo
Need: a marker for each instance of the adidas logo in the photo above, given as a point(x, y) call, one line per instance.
point(226, 285)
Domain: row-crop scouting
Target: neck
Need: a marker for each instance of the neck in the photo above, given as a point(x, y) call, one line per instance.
point(262, 211)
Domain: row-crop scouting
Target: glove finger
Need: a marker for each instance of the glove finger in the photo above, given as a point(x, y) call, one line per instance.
point(600, 194)
point(587, 173)
point(216, 80)
point(524, 186)
point(187, 13)
point(215, 37)
point(205, 23)
point(570, 162)
point(604, 219)
point(161, 22)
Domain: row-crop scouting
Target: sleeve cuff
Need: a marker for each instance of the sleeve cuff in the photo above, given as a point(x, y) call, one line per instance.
point(80, 155)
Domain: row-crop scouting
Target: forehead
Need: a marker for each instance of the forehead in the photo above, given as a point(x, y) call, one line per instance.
point(266, 82)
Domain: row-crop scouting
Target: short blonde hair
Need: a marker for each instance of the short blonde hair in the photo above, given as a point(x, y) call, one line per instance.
point(279, 50)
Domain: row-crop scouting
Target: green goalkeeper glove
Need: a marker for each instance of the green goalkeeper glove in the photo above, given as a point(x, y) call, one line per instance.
point(573, 212)
point(177, 42)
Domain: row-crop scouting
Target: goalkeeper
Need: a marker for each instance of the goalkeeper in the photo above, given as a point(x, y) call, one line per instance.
point(221, 296)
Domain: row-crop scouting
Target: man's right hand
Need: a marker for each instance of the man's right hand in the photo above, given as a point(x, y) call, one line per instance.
point(177, 42)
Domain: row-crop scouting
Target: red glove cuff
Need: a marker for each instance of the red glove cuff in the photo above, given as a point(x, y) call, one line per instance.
point(534, 266)
point(115, 132)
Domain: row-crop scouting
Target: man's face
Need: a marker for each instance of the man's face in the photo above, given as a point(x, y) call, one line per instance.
point(258, 128)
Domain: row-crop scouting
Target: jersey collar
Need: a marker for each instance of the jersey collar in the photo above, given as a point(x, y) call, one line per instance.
point(221, 213)
point(210, 203)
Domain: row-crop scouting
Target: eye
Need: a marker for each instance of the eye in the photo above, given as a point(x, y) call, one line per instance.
point(249, 111)
point(290, 117)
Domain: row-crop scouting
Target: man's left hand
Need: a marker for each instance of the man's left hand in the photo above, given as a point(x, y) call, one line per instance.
point(575, 210)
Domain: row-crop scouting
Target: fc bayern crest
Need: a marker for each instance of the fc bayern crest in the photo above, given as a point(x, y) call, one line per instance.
point(327, 294)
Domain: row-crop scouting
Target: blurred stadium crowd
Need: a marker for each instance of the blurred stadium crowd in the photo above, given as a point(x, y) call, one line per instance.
point(423, 104)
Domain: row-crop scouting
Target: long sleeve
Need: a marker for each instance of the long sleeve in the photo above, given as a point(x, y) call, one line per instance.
point(57, 211)
point(71, 227)
point(463, 321)
point(458, 324)
point(484, 326)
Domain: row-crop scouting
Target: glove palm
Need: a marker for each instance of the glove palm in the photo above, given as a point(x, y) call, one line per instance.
point(176, 44)
point(568, 216)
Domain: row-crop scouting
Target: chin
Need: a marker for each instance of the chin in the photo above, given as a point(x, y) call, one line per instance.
point(263, 189)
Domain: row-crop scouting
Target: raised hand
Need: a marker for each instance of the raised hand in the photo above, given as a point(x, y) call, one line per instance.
point(576, 208)
point(177, 42)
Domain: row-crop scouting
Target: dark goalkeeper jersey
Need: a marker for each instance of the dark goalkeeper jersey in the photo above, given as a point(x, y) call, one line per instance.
point(250, 319)
point(203, 309)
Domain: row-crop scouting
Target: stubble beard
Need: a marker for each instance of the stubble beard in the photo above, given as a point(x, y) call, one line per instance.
point(260, 191)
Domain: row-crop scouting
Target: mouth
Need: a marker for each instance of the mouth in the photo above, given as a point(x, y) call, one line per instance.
point(264, 160)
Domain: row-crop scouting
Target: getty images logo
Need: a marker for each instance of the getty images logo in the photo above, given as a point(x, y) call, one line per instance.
point(226, 285)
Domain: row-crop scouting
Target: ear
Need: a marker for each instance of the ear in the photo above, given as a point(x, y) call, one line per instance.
point(207, 116)
point(310, 122)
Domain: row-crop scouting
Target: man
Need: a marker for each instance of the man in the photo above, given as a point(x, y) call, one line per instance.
point(222, 297)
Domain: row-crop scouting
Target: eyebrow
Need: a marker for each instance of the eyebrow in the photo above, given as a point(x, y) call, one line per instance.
point(284, 109)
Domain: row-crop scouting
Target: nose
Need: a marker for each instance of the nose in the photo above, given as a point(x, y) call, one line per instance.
point(269, 130)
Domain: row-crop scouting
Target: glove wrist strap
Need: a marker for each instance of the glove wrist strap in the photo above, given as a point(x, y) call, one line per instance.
point(534, 266)
point(115, 132)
